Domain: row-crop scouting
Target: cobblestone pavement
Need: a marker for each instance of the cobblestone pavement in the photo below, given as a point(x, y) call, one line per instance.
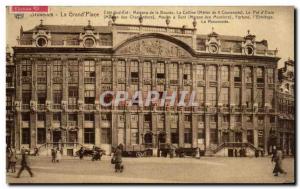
point(156, 170)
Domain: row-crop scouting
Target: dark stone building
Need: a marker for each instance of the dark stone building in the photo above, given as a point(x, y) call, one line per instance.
point(286, 108)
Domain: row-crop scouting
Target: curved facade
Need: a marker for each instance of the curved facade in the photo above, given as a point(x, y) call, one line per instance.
point(61, 72)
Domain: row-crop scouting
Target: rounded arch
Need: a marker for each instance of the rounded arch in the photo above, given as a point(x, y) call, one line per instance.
point(168, 38)
point(148, 137)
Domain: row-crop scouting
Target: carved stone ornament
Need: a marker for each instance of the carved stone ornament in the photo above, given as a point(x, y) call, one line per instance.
point(18, 105)
point(154, 47)
point(48, 105)
point(80, 105)
point(33, 105)
point(64, 105)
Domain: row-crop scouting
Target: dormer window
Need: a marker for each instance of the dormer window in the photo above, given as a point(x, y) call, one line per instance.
point(89, 42)
point(213, 48)
point(249, 50)
point(41, 42)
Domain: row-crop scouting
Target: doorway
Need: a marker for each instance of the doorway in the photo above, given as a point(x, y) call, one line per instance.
point(162, 138)
point(238, 136)
point(148, 138)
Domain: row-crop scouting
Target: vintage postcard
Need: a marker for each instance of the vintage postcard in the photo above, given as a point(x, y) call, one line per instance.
point(146, 94)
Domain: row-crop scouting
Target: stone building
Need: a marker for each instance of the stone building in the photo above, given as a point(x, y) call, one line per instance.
point(10, 96)
point(62, 70)
point(286, 108)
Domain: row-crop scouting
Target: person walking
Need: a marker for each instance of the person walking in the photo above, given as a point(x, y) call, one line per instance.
point(8, 155)
point(118, 160)
point(58, 155)
point(278, 163)
point(81, 153)
point(53, 155)
point(24, 164)
point(13, 161)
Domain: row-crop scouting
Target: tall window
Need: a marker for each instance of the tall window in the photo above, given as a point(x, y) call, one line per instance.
point(26, 68)
point(73, 71)
point(250, 137)
point(248, 74)
point(188, 135)
point(26, 96)
point(73, 95)
point(173, 72)
point(212, 73)
point(225, 73)
point(237, 96)
point(57, 71)
point(224, 96)
point(41, 95)
point(89, 117)
point(147, 74)
point(89, 71)
point(106, 72)
point(260, 75)
point(212, 96)
point(57, 116)
point(121, 69)
point(42, 72)
point(237, 74)
point(41, 135)
point(25, 136)
point(199, 72)
point(200, 95)
point(270, 76)
point(259, 97)
point(57, 96)
point(187, 72)
point(134, 71)
point(72, 117)
point(213, 136)
point(89, 96)
point(174, 136)
point(160, 70)
point(89, 135)
point(270, 98)
point(249, 98)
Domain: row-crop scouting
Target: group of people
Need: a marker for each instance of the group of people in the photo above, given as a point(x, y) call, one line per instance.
point(56, 155)
point(277, 157)
point(11, 160)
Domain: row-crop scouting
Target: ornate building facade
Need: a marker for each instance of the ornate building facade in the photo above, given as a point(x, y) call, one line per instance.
point(286, 108)
point(62, 70)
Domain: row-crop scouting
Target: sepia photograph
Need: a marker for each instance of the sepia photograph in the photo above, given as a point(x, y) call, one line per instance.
point(150, 95)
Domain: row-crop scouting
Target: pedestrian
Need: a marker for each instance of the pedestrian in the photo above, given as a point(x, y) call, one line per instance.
point(8, 154)
point(36, 151)
point(235, 153)
point(117, 159)
point(58, 155)
point(197, 155)
point(13, 161)
point(278, 163)
point(24, 164)
point(81, 153)
point(53, 155)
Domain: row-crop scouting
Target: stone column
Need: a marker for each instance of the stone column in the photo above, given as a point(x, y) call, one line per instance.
point(140, 127)
point(64, 116)
point(194, 130)
point(48, 123)
point(154, 128)
point(33, 114)
point(207, 132)
point(114, 129)
point(80, 101)
point(181, 129)
point(18, 104)
point(127, 128)
point(168, 126)
point(97, 102)
point(266, 132)
point(255, 131)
